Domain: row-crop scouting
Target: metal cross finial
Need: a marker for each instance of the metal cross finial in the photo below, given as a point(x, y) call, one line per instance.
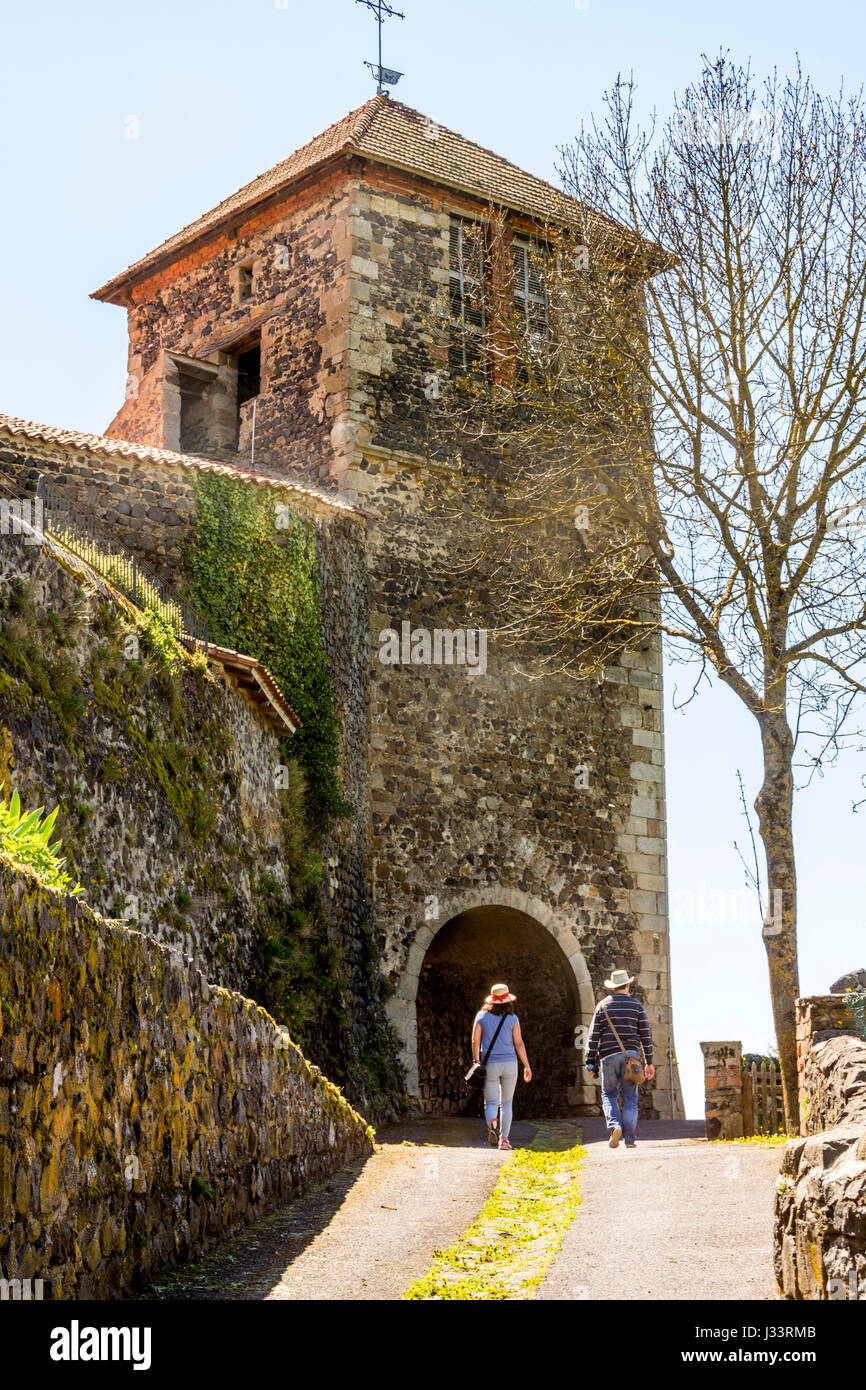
point(385, 77)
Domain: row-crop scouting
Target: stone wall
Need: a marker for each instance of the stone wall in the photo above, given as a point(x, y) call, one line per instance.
point(473, 784)
point(820, 1018)
point(143, 498)
point(144, 1113)
point(820, 1221)
point(165, 783)
point(723, 1089)
point(299, 252)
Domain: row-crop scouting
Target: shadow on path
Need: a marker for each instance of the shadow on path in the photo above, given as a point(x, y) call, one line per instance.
point(245, 1266)
point(364, 1233)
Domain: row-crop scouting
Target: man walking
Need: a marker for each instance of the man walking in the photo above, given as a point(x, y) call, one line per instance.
point(628, 1016)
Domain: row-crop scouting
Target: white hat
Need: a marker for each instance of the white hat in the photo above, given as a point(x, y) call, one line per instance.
point(618, 978)
point(500, 994)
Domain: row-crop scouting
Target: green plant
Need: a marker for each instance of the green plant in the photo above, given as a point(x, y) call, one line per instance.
point(257, 585)
point(26, 839)
point(507, 1250)
point(200, 1187)
point(856, 1001)
point(304, 971)
point(113, 769)
point(159, 635)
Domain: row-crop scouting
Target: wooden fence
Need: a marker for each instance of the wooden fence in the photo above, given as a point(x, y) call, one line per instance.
point(763, 1111)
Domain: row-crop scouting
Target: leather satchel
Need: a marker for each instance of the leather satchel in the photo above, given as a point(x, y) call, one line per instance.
point(634, 1071)
point(477, 1073)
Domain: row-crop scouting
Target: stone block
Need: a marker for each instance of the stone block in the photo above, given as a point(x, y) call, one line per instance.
point(646, 738)
point(645, 772)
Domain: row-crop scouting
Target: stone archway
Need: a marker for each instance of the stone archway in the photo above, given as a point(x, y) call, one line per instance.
point(465, 942)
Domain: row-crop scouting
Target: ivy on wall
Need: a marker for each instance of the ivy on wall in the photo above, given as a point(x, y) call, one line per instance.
point(254, 578)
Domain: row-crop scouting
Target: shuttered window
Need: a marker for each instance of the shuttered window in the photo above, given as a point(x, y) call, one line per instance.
point(530, 297)
point(466, 298)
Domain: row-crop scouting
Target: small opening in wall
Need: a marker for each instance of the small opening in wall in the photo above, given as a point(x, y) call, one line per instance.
point(248, 361)
point(245, 282)
point(249, 373)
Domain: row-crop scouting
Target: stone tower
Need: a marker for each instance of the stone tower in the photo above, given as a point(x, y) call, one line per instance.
point(291, 327)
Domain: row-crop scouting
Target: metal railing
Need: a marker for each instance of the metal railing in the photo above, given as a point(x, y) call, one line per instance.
point(73, 528)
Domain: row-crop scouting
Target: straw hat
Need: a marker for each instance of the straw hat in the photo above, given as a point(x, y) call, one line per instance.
point(618, 978)
point(500, 994)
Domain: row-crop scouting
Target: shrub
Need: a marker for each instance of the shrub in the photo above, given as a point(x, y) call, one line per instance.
point(26, 839)
point(857, 1009)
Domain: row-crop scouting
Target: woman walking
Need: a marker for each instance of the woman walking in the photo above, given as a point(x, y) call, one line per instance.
point(497, 1040)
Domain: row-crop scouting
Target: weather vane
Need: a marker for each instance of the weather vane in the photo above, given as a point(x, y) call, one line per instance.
point(385, 77)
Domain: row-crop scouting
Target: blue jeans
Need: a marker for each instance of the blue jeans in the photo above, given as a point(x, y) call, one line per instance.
point(612, 1069)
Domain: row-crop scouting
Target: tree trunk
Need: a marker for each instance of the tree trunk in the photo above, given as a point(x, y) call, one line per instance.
point(775, 806)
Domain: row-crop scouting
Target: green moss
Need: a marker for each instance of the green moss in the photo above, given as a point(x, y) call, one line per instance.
point(15, 692)
point(257, 584)
point(506, 1252)
point(104, 1191)
point(34, 678)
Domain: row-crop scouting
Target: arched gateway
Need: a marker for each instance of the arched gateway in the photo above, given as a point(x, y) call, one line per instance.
point(464, 944)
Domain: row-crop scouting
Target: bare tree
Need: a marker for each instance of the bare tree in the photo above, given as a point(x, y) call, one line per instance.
point(694, 405)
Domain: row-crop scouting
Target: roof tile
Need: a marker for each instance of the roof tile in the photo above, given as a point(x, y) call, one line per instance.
point(104, 444)
point(389, 132)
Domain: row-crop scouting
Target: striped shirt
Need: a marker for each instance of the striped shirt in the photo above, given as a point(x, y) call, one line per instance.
point(631, 1022)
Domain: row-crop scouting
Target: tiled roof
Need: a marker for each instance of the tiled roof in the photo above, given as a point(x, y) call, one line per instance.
point(394, 134)
point(103, 444)
point(258, 687)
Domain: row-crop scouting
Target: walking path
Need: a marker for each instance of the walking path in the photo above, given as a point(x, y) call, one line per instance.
point(676, 1218)
point(366, 1233)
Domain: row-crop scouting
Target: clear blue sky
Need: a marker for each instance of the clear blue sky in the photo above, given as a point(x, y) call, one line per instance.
point(219, 91)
